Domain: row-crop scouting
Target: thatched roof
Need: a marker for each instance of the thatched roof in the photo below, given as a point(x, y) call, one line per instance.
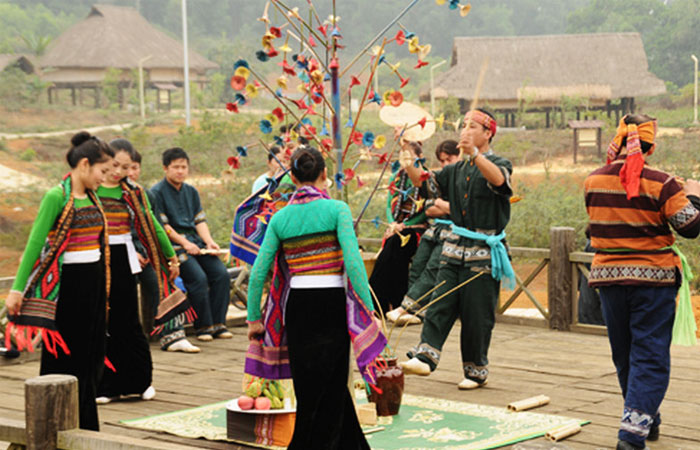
point(24, 62)
point(599, 66)
point(118, 37)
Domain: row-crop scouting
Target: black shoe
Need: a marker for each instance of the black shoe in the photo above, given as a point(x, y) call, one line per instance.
point(653, 433)
point(624, 445)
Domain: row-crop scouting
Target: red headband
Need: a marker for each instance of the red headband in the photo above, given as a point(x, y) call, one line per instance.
point(482, 119)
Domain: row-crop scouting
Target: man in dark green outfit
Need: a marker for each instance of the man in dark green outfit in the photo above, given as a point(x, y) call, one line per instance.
point(426, 261)
point(478, 192)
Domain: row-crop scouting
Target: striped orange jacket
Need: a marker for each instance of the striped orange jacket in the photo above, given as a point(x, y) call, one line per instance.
point(632, 236)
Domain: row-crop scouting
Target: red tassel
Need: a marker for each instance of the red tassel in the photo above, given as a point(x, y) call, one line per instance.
point(375, 389)
point(630, 174)
point(109, 365)
point(8, 334)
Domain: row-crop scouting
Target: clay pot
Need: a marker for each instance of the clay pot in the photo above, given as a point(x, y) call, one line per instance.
point(390, 382)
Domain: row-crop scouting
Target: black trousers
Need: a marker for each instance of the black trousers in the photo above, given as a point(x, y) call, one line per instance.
point(127, 345)
point(80, 318)
point(319, 349)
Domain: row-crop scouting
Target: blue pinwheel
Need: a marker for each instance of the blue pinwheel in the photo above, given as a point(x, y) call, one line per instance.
point(240, 63)
point(265, 126)
point(339, 178)
point(278, 141)
point(368, 139)
point(418, 162)
point(376, 222)
point(395, 166)
point(240, 99)
point(261, 55)
point(242, 150)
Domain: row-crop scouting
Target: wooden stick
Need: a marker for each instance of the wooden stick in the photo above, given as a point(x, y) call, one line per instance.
point(379, 180)
point(398, 339)
point(277, 4)
point(309, 27)
point(475, 97)
point(417, 301)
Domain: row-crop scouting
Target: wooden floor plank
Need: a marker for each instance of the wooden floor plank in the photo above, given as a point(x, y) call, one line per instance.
point(574, 370)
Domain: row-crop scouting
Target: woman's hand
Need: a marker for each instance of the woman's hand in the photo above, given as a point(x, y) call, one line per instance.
point(691, 187)
point(255, 330)
point(143, 261)
point(13, 302)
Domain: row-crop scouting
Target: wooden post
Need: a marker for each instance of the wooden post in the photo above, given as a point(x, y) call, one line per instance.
point(575, 143)
point(48, 92)
point(51, 405)
point(98, 92)
point(599, 141)
point(72, 94)
point(559, 284)
point(547, 119)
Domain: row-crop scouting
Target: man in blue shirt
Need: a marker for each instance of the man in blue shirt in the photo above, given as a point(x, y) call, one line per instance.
point(206, 279)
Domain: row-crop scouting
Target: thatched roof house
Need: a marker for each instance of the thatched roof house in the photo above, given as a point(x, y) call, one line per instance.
point(118, 37)
point(23, 62)
point(540, 70)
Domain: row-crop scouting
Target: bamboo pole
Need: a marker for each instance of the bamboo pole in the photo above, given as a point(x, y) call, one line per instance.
point(459, 286)
point(417, 301)
point(528, 403)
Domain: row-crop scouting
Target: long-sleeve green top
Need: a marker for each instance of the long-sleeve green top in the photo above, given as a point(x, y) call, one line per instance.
point(117, 193)
point(299, 220)
point(49, 210)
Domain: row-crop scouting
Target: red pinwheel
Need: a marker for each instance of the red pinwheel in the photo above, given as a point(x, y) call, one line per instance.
point(312, 41)
point(400, 37)
point(334, 64)
point(275, 31)
point(349, 174)
point(272, 52)
point(327, 144)
point(360, 183)
point(233, 107)
point(234, 162)
point(354, 81)
point(277, 112)
point(237, 82)
point(424, 176)
point(383, 158)
point(323, 29)
point(396, 98)
point(356, 137)
point(422, 122)
point(301, 104)
point(286, 68)
point(404, 82)
point(420, 64)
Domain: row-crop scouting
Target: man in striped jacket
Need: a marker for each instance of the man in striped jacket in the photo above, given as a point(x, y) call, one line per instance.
point(632, 209)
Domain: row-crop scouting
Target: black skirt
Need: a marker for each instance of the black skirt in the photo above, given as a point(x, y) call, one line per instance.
point(127, 345)
point(80, 318)
point(389, 278)
point(319, 351)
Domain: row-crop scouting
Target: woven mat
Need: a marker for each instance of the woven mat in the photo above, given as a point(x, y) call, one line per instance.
point(423, 423)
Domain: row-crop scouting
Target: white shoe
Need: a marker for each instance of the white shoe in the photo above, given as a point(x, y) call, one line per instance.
point(415, 366)
point(184, 346)
point(409, 319)
point(205, 337)
point(467, 384)
point(149, 394)
point(394, 314)
point(104, 400)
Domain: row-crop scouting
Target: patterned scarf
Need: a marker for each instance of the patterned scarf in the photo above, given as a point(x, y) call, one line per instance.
point(631, 171)
point(269, 358)
point(405, 198)
point(252, 216)
point(173, 308)
point(41, 294)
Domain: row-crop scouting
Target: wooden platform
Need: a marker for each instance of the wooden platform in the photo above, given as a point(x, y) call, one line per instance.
point(575, 370)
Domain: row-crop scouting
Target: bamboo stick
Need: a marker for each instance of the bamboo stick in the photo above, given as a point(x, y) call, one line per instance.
point(528, 403)
point(398, 339)
point(417, 301)
point(562, 432)
point(305, 42)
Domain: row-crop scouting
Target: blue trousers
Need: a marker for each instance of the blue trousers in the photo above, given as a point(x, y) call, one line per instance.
point(208, 289)
point(640, 323)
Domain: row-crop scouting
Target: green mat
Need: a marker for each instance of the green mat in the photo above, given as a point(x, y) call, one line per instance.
point(423, 423)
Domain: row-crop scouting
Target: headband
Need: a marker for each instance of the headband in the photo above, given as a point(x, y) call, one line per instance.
point(634, 162)
point(482, 119)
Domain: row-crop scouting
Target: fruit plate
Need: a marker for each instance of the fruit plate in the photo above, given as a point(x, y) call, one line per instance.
point(233, 406)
